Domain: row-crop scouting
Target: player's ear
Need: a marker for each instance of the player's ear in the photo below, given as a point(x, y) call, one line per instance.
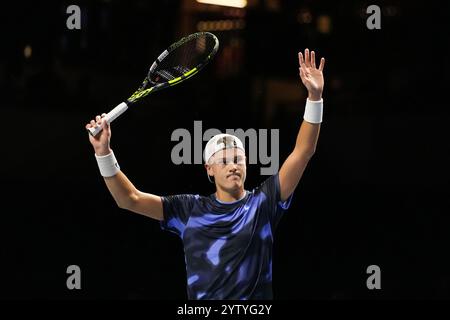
point(209, 173)
point(209, 170)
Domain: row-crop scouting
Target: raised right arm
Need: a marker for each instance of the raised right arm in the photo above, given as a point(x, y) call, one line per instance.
point(126, 195)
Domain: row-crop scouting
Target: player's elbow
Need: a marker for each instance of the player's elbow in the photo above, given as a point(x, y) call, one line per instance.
point(311, 153)
point(128, 202)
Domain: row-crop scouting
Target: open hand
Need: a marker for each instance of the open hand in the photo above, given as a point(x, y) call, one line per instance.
point(312, 77)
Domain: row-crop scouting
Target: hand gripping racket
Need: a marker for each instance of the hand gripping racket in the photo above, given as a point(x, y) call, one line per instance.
point(179, 62)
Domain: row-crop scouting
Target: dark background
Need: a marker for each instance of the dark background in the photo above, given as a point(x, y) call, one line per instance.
point(375, 192)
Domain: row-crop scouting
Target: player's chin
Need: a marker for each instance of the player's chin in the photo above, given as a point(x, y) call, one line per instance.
point(231, 183)
point(234, 183)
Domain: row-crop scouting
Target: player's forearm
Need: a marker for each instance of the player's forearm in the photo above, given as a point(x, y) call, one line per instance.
point(307, 138)
point(122, 190)
point(308, 134)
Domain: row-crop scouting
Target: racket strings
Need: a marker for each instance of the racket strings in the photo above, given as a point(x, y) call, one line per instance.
point(165, 74)
point(184, 58)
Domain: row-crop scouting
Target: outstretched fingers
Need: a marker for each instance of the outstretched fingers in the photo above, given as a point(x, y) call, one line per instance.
point(307, 58)
point(322, 64)
point(301, 61)
point(313, 59)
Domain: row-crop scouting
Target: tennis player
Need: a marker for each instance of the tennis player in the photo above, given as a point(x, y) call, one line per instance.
point(228, 235)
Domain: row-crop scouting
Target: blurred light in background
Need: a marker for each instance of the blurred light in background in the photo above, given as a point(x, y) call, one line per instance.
point(273, 5)
point(234, 12)
point(27, 52)
point(231, 59)
point(304, 16)
point(221, 25)
point(324, 24)
point(226, 3)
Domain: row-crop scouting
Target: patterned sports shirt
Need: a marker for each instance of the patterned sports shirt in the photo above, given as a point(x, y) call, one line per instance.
point(228, 246)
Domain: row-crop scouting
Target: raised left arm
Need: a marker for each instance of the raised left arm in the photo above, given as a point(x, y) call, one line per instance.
point(292, 169)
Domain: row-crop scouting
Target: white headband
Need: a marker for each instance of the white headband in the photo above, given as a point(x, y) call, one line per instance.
point(220, 142)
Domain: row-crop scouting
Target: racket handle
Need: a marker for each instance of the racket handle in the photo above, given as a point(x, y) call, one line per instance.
point(110, 117)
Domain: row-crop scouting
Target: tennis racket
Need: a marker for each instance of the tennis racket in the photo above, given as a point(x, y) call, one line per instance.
point(179, 62)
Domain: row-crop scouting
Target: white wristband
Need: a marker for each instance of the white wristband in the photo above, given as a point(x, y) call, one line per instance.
point(108, 165)
point(313, 111)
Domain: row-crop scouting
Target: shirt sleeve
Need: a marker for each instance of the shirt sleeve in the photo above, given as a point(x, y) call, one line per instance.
point(271, 188)
point(176, 212)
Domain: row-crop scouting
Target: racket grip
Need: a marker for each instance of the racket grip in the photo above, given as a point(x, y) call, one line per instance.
point(110, 117)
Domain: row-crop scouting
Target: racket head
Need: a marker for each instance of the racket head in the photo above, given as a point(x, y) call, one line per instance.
point(178, 62)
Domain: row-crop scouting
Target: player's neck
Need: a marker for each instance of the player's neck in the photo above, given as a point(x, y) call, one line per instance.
point(226, 196)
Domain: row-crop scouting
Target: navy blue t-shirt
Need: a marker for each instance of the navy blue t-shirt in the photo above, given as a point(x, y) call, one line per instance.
point(227, 246)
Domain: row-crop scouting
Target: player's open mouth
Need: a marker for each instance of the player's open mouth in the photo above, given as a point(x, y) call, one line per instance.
point(234, 175)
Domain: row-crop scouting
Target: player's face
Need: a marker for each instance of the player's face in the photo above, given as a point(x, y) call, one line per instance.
point(228, 168)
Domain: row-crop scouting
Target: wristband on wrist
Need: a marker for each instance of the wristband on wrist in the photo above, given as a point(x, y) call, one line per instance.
point(313, 111)
point(108, 165)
